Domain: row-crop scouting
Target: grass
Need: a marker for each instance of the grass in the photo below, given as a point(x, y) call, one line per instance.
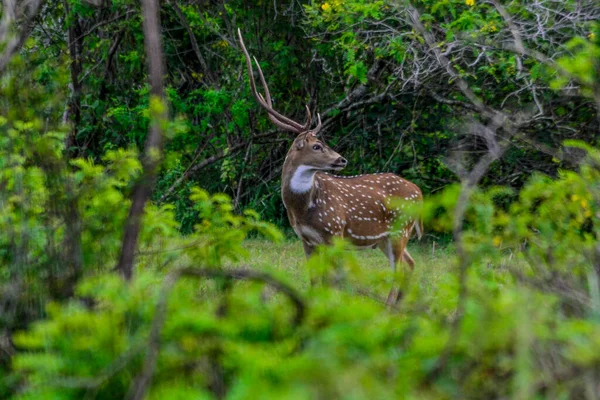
point(287, 259)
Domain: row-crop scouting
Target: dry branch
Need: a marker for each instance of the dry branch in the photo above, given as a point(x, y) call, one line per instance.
point(15, 27)
point(153, 149)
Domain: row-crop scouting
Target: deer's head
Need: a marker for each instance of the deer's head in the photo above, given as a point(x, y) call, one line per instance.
point(308, 149)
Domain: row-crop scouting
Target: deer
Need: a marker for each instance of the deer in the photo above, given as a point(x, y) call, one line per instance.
point(321, 206)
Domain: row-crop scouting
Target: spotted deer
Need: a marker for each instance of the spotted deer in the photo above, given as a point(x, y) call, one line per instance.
point(321, 206)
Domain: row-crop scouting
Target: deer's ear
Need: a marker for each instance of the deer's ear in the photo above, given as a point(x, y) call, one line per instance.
point(301, 140)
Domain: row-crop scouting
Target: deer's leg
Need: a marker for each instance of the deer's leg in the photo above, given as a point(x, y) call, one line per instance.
point(395, 250)
point(308, 249)
point(398, 248)
point(388, 248)
point(408, 260)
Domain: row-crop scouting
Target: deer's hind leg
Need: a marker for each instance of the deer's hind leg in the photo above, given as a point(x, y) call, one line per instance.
point(406, 258)
point(395, 251)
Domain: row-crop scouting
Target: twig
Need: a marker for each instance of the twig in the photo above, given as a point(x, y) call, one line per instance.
point(183, 21)
point(211, 160)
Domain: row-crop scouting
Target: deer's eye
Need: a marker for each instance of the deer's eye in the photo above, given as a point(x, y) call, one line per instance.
point(317, 147)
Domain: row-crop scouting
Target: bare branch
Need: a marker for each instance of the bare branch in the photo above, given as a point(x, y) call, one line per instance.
point(153, 150)
point(469, 182)
point(211, 160)
point(17, 16)
point(183, 20)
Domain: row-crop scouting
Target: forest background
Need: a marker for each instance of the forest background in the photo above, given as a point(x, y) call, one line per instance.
point(117, 275)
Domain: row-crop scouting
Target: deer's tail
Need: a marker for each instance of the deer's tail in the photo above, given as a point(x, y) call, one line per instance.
point(419, 228)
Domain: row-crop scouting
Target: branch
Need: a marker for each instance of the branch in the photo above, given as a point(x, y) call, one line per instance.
point(193, 41)
point(520, 48)
point(450, 102)
point(105, 22)
point(211, 160)
point(350, 106)
point(255, 276)
point(498, 119)
point(153, 149)
point(109, 60)
point(469, 182)
point(360, 91)
point(464, 87)
point(12, 43)
point(138, 388)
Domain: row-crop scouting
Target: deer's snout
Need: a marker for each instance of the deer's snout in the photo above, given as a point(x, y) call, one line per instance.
point(341, 161)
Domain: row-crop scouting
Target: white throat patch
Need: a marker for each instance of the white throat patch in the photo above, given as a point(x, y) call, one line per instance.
point(302, 180)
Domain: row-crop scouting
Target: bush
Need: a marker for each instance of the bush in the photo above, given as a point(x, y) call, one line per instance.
point(528, 328)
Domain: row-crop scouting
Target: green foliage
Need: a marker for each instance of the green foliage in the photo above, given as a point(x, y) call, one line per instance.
point(314, 53)
point(39, 190)
point(236, 338)
point(515, 312)
point(582, 64)
point(115, 331)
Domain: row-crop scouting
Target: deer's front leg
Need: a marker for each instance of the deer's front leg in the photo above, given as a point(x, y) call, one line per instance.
point(308, 250)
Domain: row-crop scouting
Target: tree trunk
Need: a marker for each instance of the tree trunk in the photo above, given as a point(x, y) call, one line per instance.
point(153, 149)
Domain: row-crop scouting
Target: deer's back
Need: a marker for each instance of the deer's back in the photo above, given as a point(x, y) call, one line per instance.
point(361, 208)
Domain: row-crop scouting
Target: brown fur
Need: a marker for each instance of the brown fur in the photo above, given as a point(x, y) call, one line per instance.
point(322, 206)
point(356, 208)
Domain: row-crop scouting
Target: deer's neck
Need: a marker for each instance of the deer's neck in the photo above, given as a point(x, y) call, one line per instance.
point(302, 179)
point(298, 188)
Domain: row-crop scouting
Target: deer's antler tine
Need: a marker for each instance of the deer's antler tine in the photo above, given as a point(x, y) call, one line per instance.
point(319, 125)
point(298, 127)
point(264, 83)
point(266, 102)
point(308, 118)
point(276, 121)
point(250, 74)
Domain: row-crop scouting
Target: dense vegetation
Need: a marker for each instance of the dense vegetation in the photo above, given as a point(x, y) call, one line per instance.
point(131, 152)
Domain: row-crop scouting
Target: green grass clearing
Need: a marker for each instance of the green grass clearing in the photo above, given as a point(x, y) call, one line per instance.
point(287, 259)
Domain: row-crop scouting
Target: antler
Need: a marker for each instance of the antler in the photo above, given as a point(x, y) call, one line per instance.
point(278, 119)
point(319, 125)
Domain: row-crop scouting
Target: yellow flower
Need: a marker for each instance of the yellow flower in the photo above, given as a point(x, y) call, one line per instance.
point(592, 36)
point(574, 197)
point(584, 203)
point(470, 3)
point(326, 7)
